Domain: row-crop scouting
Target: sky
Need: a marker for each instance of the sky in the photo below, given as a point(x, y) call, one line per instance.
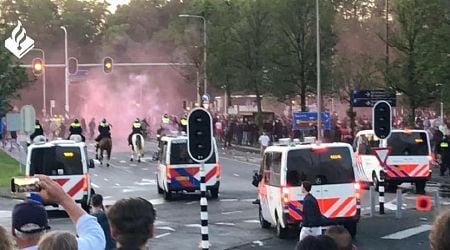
point(114, 4)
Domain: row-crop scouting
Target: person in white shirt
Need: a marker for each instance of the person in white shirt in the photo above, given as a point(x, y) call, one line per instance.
point(30, 219)
point(264, 141)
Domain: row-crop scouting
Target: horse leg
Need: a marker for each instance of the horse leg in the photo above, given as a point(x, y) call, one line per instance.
point(108, 154)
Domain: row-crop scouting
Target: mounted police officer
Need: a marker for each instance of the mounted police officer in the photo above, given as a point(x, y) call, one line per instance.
point(104, 129)
point(76, 129)
point(135, 129)
point(183, 123)
point(38, 130)
point(443, 149)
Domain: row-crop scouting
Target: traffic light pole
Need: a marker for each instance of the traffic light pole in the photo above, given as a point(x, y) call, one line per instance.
point(204, 209)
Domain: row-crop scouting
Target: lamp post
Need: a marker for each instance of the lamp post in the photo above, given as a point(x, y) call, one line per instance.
point(319, 127)
point(66, 75)
point(205, 78)
point(44, 86)
point(441, 103)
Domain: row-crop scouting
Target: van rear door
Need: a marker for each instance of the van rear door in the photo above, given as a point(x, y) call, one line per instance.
point(62, 164)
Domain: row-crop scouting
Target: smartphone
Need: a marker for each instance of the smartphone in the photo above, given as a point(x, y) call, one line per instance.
point(25, 185)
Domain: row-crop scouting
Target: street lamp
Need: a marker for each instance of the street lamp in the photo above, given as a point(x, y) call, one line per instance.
point(66, 73)
point(44, 97)
point(441, 103)
point(205, 78)
point(319, 127)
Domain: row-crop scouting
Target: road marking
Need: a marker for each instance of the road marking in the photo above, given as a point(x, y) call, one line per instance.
point(5, 214)
point(133, 165)
point(232, 212)
point(225, 223)
point(190, 202)
point(236, 175)
point(145, 169)
point(117, 184)
point(162, 235)
point(166, 228)
point(248, 200)
point(123, 161)
point(248, 163)
point(251, 221)
point(113, 158)
point(408, 232)
point(95, 185)
point(228, 199)
point(106, 179)
point(95, 175)
point(107, 197)
point(193, 225)
point(258, 242)
point(157, 201)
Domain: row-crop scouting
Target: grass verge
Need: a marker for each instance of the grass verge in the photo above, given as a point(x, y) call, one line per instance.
point(8, 168)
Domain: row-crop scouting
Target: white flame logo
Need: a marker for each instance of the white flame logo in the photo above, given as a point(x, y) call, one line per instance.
point(19, 34)
point(19, 43)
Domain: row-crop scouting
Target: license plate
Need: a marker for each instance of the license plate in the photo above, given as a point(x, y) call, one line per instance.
point(182, 178)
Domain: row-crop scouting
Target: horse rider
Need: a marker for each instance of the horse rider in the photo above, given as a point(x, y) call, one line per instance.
point(104, 128)
point(38, 130)
point(183, 123)
point(135, 129)
point(76, 129)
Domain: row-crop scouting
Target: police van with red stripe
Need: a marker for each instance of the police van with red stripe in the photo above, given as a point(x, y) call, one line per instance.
point(66, 162)
point(408, 161)
point(330, 169)
point(178, 172)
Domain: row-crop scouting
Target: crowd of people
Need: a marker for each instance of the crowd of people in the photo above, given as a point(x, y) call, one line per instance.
point(128, 224)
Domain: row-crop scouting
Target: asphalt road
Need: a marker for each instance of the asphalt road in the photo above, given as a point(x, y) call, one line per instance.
point(233, 219)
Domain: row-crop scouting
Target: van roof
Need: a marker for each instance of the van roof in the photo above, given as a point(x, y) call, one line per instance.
point(171, 138)
point(58, 143)
point(286, 148)
point(370, 131)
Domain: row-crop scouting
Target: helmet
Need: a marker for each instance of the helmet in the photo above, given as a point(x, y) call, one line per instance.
point(37, 122)
point(76, 121)
point(104, 120)
point(137, 120)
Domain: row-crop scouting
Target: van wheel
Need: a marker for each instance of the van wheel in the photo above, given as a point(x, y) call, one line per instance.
point(375, 181)
point(282, 233)
point(420, 187)
point(352, 228)
point(167, 195)
point(262, 221)
point(160, 190)
point(214, 193)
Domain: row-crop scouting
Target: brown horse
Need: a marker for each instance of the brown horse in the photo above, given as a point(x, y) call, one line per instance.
point(105, 144)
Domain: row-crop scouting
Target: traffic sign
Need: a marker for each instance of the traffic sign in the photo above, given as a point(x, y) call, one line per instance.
point(368, 98)
point(382, 154)
point(307, 120)
point(12, 121)
point(27, 119)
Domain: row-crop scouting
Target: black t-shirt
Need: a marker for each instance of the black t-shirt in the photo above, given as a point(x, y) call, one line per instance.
point(312, 217)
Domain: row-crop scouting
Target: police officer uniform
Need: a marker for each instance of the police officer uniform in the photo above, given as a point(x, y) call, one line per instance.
point(38, 130)
point(136, 129)
point(75, 129)
point(104, 128)
point(443, 149)
point(183, 123)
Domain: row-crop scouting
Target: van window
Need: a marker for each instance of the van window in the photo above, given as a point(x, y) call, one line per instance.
point(275, 168)
point(179, 154)
point(56, 161)
point(267, 164)
point(319, 166)
point(408, 143)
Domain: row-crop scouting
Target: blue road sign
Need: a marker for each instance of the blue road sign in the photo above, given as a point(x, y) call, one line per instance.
point(308, 120)
point(367, 98)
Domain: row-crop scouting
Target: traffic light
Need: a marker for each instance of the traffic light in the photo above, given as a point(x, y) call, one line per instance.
point(107, 65)
point(37, 66)
point(199, 130)
point(382, 119)
point(73, 65)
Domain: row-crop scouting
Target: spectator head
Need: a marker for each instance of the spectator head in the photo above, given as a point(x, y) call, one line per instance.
point(321, 242)
point(341, 236)
point(29, 223)
point(58, 240)
point(439, 239)
point(97, 201)
point(306, 187)
point(131, 221)
point(5, 240)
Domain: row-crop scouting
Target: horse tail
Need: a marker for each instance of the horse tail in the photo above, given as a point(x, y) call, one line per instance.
point(139, 142)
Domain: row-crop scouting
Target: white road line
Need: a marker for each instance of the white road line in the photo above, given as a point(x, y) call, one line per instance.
point(157, 201)
point(107, 197)
point(251, 221)
point(248, 200)
point(166, 228)
point(106, 179)
point(248, 163)
point(236, 175)
point(95, 175)
point(408, 232)
point(133, 165)
point(123, 161)
point(228, 199)
point(190, 202)
point(95, 185)
point(225, 223)
point(5, 214)
point(193, 225)
point(232, 212)
point(162, 235)
point(117, 184)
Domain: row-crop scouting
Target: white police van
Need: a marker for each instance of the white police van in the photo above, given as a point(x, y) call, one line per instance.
point(409, 160)
point(66, 162)
point(330, 169)
point(178, 172)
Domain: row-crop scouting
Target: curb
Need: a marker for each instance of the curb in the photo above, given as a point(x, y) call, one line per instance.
point(6, 193)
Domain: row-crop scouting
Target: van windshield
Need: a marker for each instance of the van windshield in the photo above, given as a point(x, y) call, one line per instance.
point(56, 161)
point(319, 166)
point(179, 154)
point(408, 143)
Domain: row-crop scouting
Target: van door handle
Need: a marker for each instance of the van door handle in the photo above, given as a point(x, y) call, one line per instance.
point(325, 190)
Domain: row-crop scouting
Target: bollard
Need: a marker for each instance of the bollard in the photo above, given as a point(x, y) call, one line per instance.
point(381, 192)
point(372, 200)
point(398, 213)
point(204, 210)
point(437, 202)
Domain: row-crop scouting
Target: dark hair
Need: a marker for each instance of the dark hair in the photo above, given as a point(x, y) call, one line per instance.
point(307, 185)
point(97, 200)
point(439, 239)
point(341, 236)
point(321, 242)
point(132, 221)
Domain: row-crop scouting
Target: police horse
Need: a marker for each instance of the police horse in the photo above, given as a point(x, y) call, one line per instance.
point(138, 147)
point(105, 144)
